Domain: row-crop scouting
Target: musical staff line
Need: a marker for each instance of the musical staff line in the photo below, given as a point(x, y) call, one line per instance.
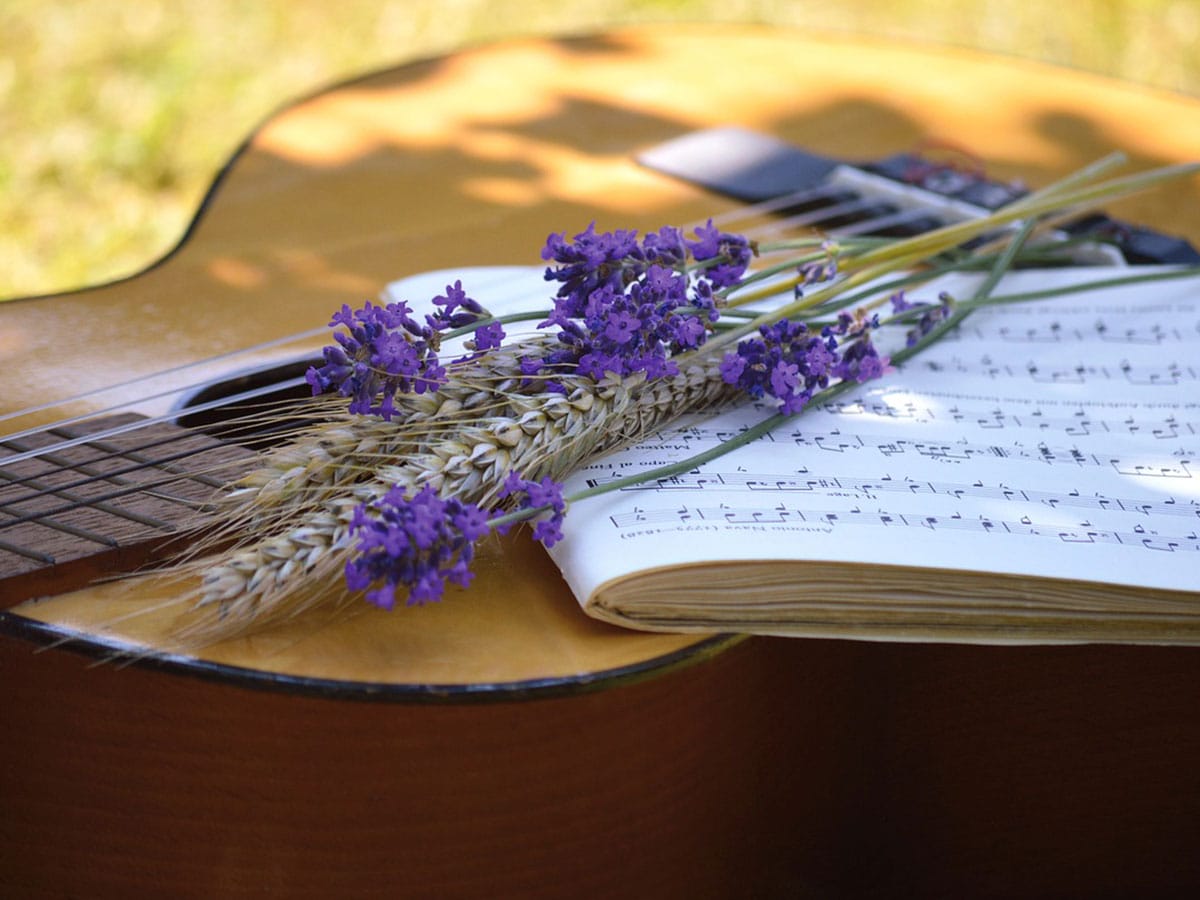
point(783, 515)
point(962, 450)
point(1099, 330)
point(1079, 423)
point(872, 488)
point(1167, 374)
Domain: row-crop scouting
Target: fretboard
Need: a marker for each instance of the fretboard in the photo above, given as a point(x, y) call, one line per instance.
point(79, 510)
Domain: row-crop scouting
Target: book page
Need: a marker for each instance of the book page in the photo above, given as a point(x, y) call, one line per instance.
point(1055, 438)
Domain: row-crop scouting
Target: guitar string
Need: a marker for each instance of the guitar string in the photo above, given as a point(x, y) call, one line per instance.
point(40, 489)
point(745, 212)
point(45, 516)
point(92, 438)
point(44, 488)
point(133, 426)
point(174, 370)
point(40, 516)
point(127, 427)
point(110, 452)
point(37, 488)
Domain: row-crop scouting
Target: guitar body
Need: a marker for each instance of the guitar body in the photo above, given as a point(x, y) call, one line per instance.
point(501, 743)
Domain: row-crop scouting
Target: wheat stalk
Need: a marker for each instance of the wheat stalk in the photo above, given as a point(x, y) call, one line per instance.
point(307, 491)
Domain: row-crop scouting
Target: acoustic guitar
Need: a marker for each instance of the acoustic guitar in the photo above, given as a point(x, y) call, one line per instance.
point(500, 743)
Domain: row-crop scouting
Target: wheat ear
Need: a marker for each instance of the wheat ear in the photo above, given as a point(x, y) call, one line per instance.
point(539, 434)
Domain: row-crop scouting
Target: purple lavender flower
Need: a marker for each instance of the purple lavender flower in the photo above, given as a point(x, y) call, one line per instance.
point(614, 259)
point(456, 309)
point(860, 360)
point(666, 247)
point(419, 543)
point(488, 337)
point(626, 331)
point(818, 270)
point(731, 252)
point(384, 351)
point(900, 303)
point(546, 495)
point(786, 362)
point(591, 261)
point(625, 307)
point(932, 314)
point(790, 363)
point(621, 327)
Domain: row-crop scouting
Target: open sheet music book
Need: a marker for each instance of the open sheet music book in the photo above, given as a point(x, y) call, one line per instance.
point(1032, 478)
point(1035, 477)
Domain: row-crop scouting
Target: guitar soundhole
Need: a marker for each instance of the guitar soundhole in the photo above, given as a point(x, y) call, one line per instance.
point(254, 423)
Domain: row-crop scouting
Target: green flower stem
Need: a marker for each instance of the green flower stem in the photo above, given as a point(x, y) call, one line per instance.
point(1044, 254)
point(1057, 197)
point(846, 249)
point(912, 315)
point(885, 260)
point(503, 320)
point(1098, 284)
point(1069, 192)
point(819, 241)
point(773, 270)
point(1079, 177)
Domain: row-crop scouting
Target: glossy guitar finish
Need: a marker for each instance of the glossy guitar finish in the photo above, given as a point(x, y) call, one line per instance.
point(757, 767)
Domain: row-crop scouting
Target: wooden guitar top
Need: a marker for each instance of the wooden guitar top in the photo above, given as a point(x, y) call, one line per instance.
point(473, 160)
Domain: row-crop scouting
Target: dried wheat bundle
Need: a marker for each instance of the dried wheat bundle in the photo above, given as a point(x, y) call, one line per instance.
point(307, 493)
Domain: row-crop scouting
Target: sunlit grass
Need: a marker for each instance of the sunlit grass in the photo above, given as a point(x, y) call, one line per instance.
point(114, 116)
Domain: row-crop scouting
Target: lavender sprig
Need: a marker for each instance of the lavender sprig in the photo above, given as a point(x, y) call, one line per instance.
point(383, 352)
point(541, 499)
point(635, 309)
point(625, 306)
point(790, 363)
point(418, 543)
point(422, 542)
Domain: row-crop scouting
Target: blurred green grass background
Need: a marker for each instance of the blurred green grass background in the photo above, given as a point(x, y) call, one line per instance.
point(115, 116)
